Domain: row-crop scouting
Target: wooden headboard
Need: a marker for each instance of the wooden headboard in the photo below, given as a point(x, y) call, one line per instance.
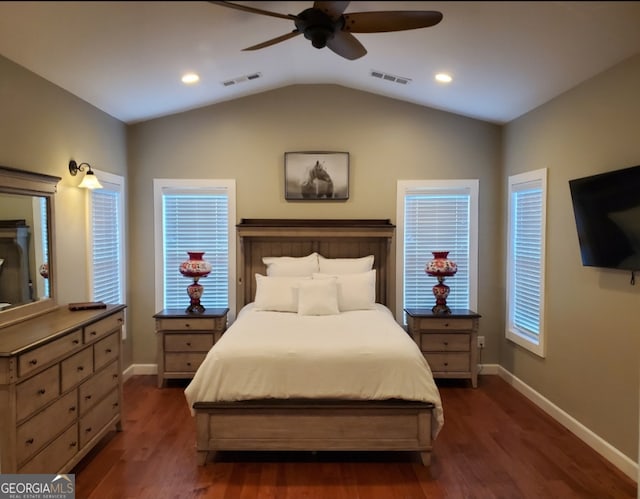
point(330, 238)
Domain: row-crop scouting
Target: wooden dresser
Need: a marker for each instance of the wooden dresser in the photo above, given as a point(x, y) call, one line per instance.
point(448, 341)
point(184, 340)
point(60, 387)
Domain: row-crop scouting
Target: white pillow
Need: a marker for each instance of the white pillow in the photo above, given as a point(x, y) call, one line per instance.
point(338, 266)
point(277, 294)
point(318, 297)
point(288, 266)
point(355, 291)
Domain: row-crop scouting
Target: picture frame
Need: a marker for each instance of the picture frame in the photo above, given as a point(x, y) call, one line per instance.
point(316, 176)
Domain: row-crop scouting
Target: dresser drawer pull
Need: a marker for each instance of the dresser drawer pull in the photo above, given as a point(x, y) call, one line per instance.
point(29, 441)
point(446, 364)
point(87, 397)
point(115, 405)
point(72, 408)
point(73, 444)
point(80, 368)
point(189, 364)
point(33, 362)
point(120, 320)
point(42, 391)
point(446, 343)
point(108, 350)
point(75, 342)
point(446, 324)
point(188, 343)
point(93, 333)
point(88, 430)
point(187, 324)
point(115, 376)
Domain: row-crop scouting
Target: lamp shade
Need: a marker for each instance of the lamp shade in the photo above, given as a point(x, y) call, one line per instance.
point(90, 181)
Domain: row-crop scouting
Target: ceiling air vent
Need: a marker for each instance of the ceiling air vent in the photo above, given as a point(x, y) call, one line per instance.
point(240, 79)
point(389, 77)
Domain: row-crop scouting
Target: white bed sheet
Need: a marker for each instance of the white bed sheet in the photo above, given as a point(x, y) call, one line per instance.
point(356, 355)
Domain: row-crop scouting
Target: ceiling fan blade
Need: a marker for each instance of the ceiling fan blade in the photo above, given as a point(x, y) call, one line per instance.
point(255, 11)
point(333, 9)
point(346, 45)
point(380, 22)
point(273, 41)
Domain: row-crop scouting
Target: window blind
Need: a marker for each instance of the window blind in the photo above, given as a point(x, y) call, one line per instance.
point(436, 221)
point(106, 241)
point(526, 259)
point(196, 222)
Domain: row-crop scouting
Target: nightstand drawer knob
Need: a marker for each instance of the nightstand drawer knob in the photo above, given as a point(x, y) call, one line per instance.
point(188, 343)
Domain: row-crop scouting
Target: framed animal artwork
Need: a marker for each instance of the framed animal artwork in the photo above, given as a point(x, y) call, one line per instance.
point(316, 176)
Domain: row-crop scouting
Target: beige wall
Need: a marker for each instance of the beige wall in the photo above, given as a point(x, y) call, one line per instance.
point(592, 315)
point(246, 139)
point(42, 127)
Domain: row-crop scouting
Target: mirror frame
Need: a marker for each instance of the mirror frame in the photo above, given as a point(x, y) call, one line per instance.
point(14, 181)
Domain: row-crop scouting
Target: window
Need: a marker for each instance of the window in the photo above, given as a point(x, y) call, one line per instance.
point(436, 215)
point(106, 240)
point(525, 260)
point(195, 215)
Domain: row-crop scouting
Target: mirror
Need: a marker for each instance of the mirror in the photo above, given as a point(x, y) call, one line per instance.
point(26, 244)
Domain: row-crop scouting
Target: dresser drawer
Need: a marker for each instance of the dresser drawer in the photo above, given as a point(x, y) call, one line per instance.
point(54, 456)
point(183, 362)
point(186, 324)
point(430, 342)
point(188, 342)
point(106, 350)
point(37, 391)
point(38, 430)
point(94, 389)
point(38, 357)
point(448, 362)
point(444, 323)
point(103, 327)
point(97, 418)
point(76, 368)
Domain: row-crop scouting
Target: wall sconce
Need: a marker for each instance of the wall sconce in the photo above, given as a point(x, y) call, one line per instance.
point(90, 181)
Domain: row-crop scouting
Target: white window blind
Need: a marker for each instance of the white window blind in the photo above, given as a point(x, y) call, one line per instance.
point(436, 222)
point(107, 252)
point(196, 221)
point(437, 216)
point(526, 259)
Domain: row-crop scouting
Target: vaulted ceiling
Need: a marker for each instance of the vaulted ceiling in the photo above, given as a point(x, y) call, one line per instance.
point(127, 58)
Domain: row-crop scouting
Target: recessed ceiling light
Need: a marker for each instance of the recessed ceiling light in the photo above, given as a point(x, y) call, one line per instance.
point(190, 78)
point(444, 78)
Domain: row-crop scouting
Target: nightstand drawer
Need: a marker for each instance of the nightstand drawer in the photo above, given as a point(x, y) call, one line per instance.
point(183, 362)
point(445, 342)
point(448, 362)
point(188, 342)
point(186, 324)
point(445, 323)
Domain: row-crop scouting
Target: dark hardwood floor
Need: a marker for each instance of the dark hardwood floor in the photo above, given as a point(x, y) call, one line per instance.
point(494, 444)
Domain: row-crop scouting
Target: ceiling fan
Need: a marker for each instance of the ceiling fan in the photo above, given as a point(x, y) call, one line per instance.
point(326, 25)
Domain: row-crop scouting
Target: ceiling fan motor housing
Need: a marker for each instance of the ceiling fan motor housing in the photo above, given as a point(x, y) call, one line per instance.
point(317, 26)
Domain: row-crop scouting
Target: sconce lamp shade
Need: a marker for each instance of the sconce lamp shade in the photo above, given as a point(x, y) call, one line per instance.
point(90, 181)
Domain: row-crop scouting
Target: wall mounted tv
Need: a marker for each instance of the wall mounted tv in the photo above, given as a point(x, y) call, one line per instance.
point(607, 213)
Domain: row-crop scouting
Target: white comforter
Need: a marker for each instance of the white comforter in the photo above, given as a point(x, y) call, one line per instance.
point(361, 355)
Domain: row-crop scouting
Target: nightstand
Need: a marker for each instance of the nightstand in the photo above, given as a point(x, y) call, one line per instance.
point(184, 340)
point(447, 341)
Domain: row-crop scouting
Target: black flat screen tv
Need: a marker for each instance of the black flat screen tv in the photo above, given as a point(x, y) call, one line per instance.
point(607, 213)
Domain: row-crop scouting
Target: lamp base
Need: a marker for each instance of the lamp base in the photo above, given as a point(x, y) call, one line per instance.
point(441, 292)
point(194, 291)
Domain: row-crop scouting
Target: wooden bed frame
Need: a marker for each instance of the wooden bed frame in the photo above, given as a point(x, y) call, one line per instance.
point(313, 425)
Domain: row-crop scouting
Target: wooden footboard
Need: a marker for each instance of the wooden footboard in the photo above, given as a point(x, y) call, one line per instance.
point(314, 426)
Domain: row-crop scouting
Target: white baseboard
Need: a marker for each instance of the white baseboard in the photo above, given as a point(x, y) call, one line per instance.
point(602, 447)
point(597, 443)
